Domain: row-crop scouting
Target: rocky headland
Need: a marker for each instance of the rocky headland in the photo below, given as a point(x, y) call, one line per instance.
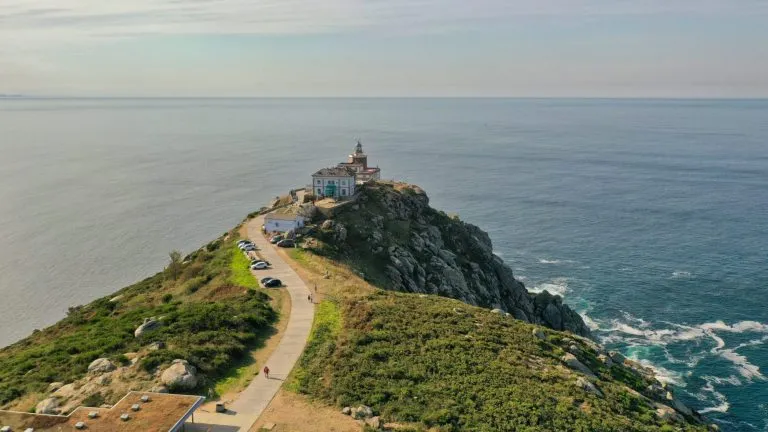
point(393, 237)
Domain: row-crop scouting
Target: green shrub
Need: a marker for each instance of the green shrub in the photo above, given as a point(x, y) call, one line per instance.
point(191, 286)
point(95, 400)
point(121, 359)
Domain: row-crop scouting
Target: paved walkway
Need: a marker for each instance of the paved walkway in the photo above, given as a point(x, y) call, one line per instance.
point(249, 405)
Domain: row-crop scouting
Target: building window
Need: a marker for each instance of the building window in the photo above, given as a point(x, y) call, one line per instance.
point(319, 181)
point(319, 191)
point(344, 192)
point(344, 182)
point(330, 181)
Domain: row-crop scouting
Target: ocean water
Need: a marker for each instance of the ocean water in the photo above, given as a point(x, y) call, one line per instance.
point(650, 217)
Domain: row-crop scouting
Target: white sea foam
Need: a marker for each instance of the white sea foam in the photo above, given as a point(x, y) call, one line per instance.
point(679, 274)
point(554, 261)
point(557, 286)
point(732, 380)
point(637, 332)
point(739, 327)
point(689, 362)
point(722, 402)
point(745, 368)
point(592, 324)
point(662, 374)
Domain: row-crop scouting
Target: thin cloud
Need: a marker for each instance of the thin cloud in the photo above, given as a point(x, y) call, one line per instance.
point(96, 18)
point(32, 31)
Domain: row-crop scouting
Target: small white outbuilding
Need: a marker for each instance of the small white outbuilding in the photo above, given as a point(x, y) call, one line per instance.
point(283, 222)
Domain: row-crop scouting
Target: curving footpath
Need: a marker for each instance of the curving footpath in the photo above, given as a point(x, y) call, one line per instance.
point(246, 409)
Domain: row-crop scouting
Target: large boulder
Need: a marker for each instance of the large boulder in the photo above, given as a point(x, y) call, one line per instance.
point(101, 365)
point(180, 375)
point(47, 406)
point(52, 387)
point(572, 362)
point(148, 325)
point(362, 412)
point(677, 405)
point(588, 387)
point(374, 422)
point(667, 413)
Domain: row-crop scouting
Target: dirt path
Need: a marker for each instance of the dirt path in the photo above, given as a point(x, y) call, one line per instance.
point(246, 409)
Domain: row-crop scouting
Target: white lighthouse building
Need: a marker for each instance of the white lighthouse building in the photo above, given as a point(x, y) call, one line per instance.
point(340, 181)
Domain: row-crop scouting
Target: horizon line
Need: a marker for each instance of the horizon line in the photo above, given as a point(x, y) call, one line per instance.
point(17, 96)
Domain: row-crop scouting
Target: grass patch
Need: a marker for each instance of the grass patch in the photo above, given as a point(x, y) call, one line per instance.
point(240, 374)
point(239, 266)
point(325, 329)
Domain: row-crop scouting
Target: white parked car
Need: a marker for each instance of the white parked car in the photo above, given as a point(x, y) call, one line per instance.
point(259, 266)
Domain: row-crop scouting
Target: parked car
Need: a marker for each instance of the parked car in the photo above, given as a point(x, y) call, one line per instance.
point(259, 266)
point(273, 283)
point(287, 243)
point(244, 246)
point(248, 248)
point(239, 242)
point(276, 239)
point(265, 280)
point(254, 261)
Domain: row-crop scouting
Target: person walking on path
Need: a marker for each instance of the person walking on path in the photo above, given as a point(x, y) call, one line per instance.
point(266, 372)
point(309, 298)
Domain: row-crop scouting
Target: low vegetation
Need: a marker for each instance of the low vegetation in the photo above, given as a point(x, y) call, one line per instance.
point(210, 312)
point(438, 363)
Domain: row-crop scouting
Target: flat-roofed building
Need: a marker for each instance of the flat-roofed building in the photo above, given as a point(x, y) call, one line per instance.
point(157, 412)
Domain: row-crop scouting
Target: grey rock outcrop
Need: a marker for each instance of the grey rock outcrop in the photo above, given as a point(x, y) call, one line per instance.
point(148, 325)
point(52, 387)
point(422, 250)
point(362, 412)
point(588, 387)
point(180, 375)
point(47, 406)
point(155, 346)
point(572, 362)
point(374, 422)
point(665, 412)
point(101, 365)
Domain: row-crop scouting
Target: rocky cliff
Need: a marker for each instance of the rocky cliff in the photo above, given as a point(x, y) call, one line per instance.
point(394, 238)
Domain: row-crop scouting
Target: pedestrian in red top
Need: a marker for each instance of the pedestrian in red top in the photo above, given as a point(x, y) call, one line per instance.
point(266, 372)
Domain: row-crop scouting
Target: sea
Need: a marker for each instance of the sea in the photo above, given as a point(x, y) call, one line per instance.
point(650, 217)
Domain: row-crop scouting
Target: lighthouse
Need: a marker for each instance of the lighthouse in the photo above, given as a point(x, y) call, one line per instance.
point(358, 161)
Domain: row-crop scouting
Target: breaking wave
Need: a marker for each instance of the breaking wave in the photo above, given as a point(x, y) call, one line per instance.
point(642, 340)
point(557, 286)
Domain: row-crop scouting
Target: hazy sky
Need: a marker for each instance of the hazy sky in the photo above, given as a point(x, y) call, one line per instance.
point(638, 48)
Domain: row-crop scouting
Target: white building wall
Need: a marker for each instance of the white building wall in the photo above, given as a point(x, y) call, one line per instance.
point(345, 186)
point(279, 225)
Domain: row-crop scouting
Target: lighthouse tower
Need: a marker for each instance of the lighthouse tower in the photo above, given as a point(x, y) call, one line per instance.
point(358, 157)
point(358, 161)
